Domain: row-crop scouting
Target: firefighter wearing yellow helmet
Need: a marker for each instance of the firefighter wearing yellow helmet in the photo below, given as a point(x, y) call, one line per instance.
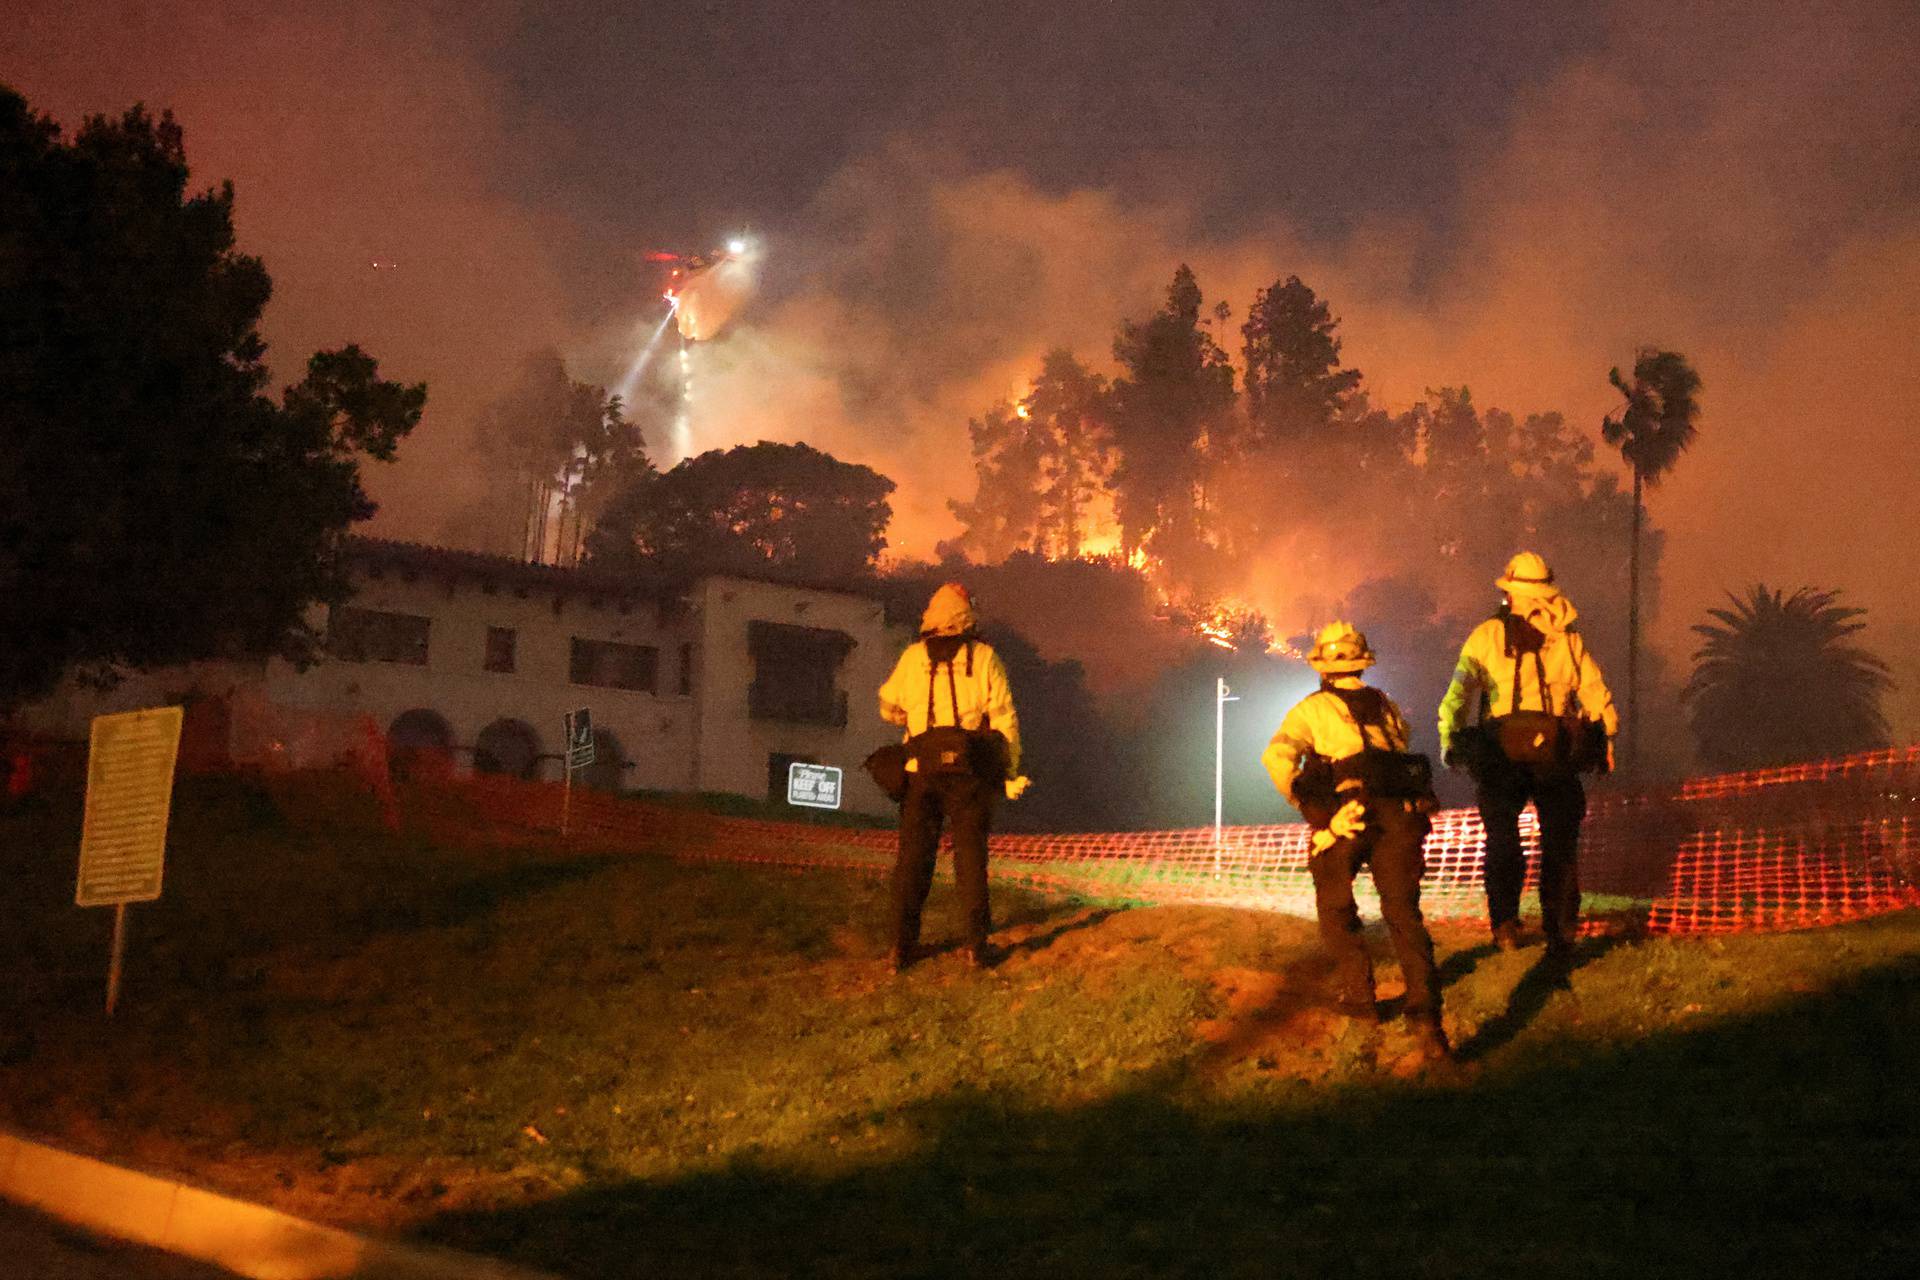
point(1543, 714)
point(949, 693)
point(1340, 757)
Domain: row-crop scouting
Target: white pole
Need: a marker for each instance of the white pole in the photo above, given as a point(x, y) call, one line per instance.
point(566, 794)
point(1221, 697)
point(1219, 755)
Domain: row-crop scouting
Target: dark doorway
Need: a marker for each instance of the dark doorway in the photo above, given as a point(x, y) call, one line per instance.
point(509, 747)
point(419, 746)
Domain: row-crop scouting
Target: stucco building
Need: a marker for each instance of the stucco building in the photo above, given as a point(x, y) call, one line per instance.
point(470, 662)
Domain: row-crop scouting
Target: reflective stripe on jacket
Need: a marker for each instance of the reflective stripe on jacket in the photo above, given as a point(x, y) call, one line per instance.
point(1320, 723)
point(986, 700)
point(1574, 685)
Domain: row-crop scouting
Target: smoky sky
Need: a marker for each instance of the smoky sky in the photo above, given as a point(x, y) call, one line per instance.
point(1500, 194)
point(673, 123)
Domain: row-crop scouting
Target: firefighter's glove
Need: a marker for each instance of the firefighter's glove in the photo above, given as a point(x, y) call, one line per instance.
point(1349, 820)
point(1017, 787)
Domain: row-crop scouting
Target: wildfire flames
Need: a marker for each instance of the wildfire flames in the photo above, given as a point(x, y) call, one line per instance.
point(1233, 625)
point(1229, 623)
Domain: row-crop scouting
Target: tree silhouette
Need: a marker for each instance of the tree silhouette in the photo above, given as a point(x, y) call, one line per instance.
point(160, 507)
point(1038, 465)
point(1007, 510)
point(1295, 385)
point(787, 511)
point(1068, 406)
point(1777, 679)
point(553, 451)
point(1175, 389)
point(1651, 430)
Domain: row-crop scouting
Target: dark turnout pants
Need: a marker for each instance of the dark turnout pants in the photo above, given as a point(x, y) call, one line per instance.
point(1503, 790)
point(1392, 846)
point(963, 803)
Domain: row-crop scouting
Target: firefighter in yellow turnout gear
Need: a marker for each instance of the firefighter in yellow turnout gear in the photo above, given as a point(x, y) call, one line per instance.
point(949, 693)
point(1543, 714)
point(1340, 757)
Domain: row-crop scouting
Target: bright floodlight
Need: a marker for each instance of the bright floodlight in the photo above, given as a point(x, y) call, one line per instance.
point(736, 246)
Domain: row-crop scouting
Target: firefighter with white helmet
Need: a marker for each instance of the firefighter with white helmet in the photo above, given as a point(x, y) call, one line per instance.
point(949, 693)
point(1543, 715)
point(1340, 757)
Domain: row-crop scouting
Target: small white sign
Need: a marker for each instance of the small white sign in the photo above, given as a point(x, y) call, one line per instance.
point(814, 786)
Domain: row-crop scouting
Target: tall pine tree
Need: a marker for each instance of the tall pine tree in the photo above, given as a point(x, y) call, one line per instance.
point(1295, 386)
point(1174, 396)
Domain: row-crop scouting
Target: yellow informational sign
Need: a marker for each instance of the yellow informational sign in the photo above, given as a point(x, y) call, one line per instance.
point(123, 842)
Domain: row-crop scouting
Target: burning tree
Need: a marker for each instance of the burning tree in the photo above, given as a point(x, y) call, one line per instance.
point(1038, 466)
point(1005, 515)
point(1276, 504)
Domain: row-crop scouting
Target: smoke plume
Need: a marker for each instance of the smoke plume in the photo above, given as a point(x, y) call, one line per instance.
point(1741, 192)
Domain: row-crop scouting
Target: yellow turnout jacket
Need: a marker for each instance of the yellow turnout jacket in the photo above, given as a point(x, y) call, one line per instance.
point(1320, 723)
point(985, 700)
point(1574, 685)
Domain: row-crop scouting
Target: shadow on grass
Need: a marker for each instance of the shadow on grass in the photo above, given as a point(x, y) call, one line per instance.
point(1778, 1144)
point(1064, 920)
point(1546, 978)
point(1038, 942)
point(1459, 966)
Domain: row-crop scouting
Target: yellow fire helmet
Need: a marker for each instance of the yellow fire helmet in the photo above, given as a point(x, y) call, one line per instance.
point(1339, 649)
point(1527, 575)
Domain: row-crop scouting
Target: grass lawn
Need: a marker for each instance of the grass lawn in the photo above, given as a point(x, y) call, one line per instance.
point(627, 1066)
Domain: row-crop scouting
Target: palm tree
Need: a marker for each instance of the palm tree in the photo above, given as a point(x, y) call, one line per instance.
point(1651, 430)
point(1777, 680)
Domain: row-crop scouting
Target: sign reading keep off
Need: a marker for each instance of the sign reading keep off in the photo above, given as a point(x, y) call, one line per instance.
point(123, 840)
point(813, 786)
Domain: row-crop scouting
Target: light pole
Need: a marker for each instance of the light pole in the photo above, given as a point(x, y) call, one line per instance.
point(1221, 697)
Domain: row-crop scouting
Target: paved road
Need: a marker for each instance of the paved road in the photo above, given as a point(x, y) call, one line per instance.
point(37, 1248)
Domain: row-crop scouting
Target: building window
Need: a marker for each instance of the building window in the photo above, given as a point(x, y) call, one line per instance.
point(368, 635)
point(794, 670)
point(614, 666)
point(686, 668)
point(500, 646)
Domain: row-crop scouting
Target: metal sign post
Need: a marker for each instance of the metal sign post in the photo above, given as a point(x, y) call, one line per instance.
point(1221, 697)
point(813, 786)
point(123, 837)
point(579, 755)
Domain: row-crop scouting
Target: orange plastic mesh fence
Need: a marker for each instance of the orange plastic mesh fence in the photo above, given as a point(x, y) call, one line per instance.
point(1779, 848)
